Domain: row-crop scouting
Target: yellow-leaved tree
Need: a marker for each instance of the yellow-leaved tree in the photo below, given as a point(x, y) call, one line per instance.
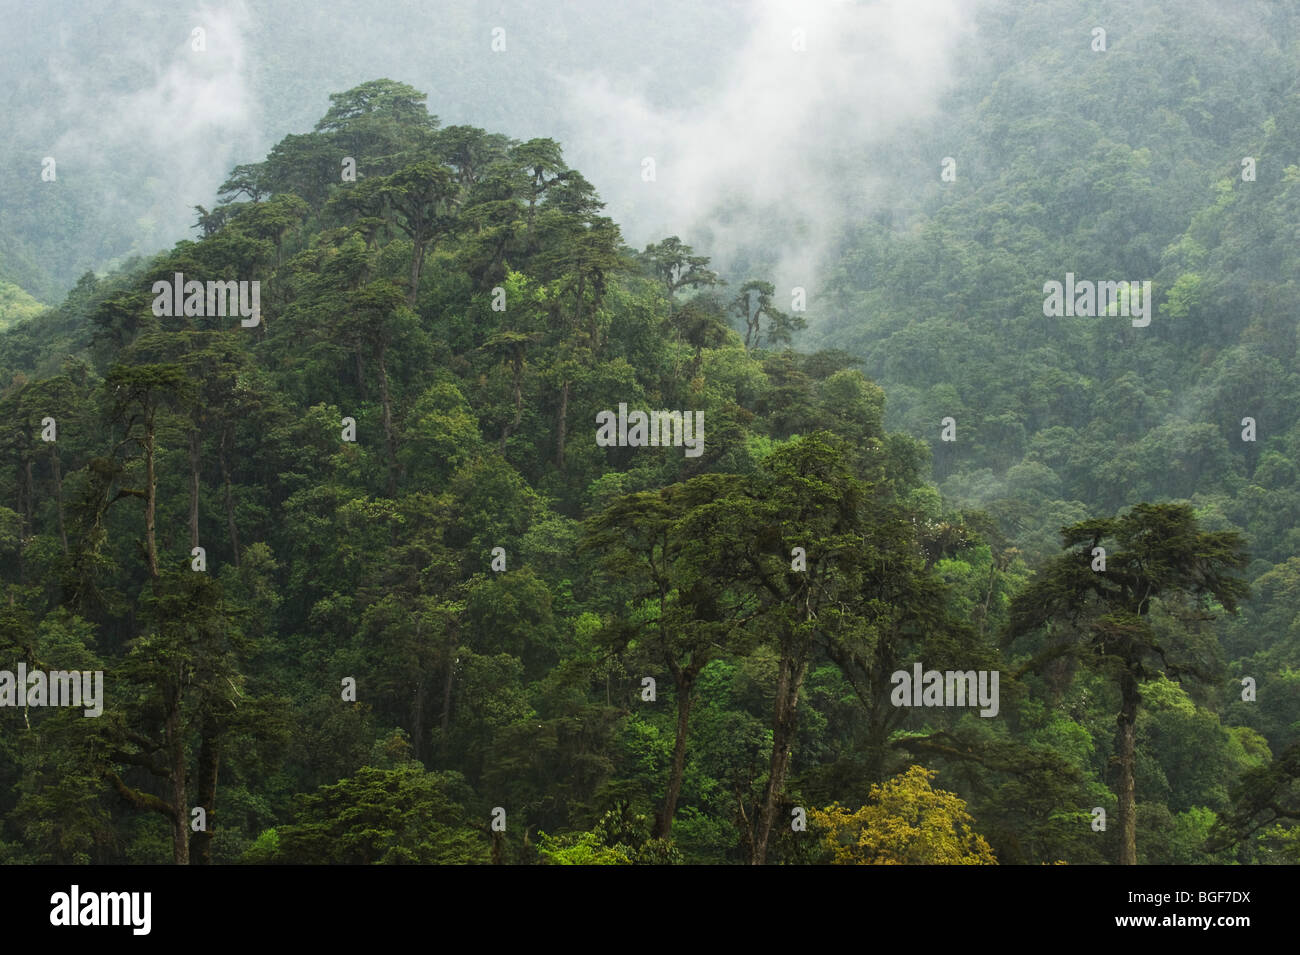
point(905, 823)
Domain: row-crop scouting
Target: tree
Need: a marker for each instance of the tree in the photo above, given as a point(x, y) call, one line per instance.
point(542, 165)
point(1155, 553)
point(511, 347)
point(470, 152)
point(422, 195)
point(417, 199)
point(136, 394)
point(676, 265)
point(700, 324)
point(621, 837)
point(182, 677)
point(807, 496)
point(27, 408)
point(752, 304)
point(906, 823)
point(377, 120)
point(244, 180)
point(1265, 805)
point(272, 220)
point(377, 312)
point(401, 816)
point(658, 543)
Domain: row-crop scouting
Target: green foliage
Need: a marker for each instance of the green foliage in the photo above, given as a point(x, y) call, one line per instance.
point(621, 837)
point(16, 305)
point(392, 817)
point(465, 303)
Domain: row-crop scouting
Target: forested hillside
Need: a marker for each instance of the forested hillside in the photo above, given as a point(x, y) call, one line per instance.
point(1151, 160)
point(412, 515)
point(142, 125)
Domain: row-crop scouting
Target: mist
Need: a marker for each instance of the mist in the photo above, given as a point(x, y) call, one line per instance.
point(765, 122)
point(769, 162)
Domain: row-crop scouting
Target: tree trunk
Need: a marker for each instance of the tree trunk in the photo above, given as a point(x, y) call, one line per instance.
point(511, 428)
point(664, 824)
point(445, 719)
point(209, 764)
point(196, 452)
point(561, 426)
point(230, 503)
point(519, 394)
point(24, 518)
point(497, 271)
point(577, 307)
point(390, 441)
point(20, 508)
point(176, 749)
point(150, 503)
point(417, 266)
point(1127, 802)
point(58, 494)
point(417, 720)
point(30, 497)
point(794, 663)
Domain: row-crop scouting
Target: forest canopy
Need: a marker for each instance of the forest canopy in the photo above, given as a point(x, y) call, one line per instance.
point(380, 565)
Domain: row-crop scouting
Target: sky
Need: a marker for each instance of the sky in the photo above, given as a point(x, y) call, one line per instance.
point(771, 125)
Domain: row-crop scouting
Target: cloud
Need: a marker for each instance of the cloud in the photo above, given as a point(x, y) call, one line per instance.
point(763, 153)
point(778, 152)
point(175, 123)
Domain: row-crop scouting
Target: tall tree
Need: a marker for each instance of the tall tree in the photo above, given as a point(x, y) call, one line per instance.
point(1154, 554)
point(136, 396)
point(675, 263)
point(422, 195)
point(752, 304)
point(658, 542)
